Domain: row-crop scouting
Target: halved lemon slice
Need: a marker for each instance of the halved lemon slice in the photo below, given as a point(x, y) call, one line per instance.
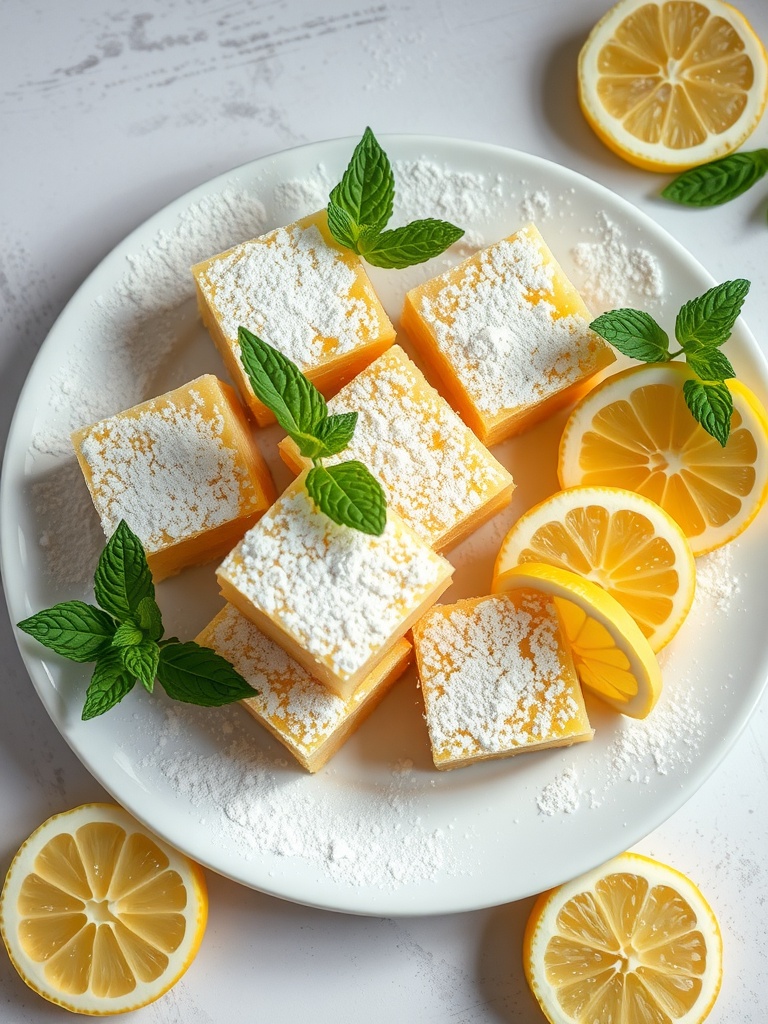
point(631, 941)
point(98, 915)
point(635, 431)
point(611, 656)
point(616, 538)
point(669, 85)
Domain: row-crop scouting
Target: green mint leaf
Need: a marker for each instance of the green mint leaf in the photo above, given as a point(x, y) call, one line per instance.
point(711, 406)
point(349, 495)
point(149, 618)
point(634, 333)
point(198, 675)
point(342, 226)
point(708, 319)
point(404, 247)
point(108, 685)
point(76, 630)
point(141, 662)
point(122, 577)
point(127, 634)
point(710, 364)
point(366, 191)
point(718, 181)
point(277, 382)
point(336, 432)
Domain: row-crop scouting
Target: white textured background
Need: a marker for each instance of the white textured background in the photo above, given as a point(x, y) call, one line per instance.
point(110, 110)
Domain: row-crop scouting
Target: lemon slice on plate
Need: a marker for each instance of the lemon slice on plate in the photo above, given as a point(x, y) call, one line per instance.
point(635, 430)
point(98, 915)
point(669, 85)
point(612, 658)
point(616, 538)
point(633, 940)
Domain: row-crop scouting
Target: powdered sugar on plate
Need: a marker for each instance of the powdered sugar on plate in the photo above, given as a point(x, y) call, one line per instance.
point(265, 806)
point(610, 273)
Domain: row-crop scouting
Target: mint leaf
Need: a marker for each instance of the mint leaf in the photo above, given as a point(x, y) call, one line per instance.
point(277, 382)
point(198, 675)
point(127, 634)
point(141, 662)
point(634, 333)
point(710, 364)
point(349, 495)
point(711, 406)
point(366, 191)
point(122, 577)
point(414, 243)
point(342, 226)
point(336, 432)
point(149, 619)
point(108, 685)
point(718, 181)
point(708, 319)
point(76, 630)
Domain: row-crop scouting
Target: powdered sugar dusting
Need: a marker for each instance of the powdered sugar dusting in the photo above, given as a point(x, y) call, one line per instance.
point(165, 469)
point(294, 291)
point(610, 273)
point(434, 471)
point(508, 351)
point(338, 593)
point(561, 795)
point(372, 837)
point(495, 678)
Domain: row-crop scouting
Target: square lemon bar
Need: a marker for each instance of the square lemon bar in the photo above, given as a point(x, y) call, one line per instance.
point(182, 470)
point(497, 679)
point(302, 293)
point(309, 720)
point(333, 598)
point(507, 335)
point(436, 475)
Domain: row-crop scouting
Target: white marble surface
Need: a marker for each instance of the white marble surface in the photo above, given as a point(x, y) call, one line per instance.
point(109, 111)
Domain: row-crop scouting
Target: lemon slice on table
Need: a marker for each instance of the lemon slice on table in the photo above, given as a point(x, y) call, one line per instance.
point(669, 85)
point(632, 941)
point(98, 915)
point(635, 430)
point(612, 658)
point(619, 539)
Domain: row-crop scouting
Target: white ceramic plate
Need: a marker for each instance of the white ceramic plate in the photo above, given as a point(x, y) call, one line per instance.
point(379, 830)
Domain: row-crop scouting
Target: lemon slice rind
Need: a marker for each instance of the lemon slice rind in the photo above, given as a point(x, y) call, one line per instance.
point(599, 606)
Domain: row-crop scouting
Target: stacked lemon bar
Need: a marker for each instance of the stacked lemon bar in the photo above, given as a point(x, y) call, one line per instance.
point(319, 616)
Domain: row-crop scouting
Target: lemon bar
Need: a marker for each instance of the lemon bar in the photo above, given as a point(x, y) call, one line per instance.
point(333, 598)
point(302, 293)
point(435, 473)
point(497, 679)
point(309, 720)
point(182, 470)
point(507, 335)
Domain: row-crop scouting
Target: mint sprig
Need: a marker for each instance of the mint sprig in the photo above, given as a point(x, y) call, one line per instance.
point(124, 637)
point(347, 493)
point(702, 326)
point(360, 207)
point(719, 181)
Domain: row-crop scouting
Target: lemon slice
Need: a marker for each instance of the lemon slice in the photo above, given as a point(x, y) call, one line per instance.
point(635, 430)
point(631, 941)
point(673, 84)
point(612, 658)
point(98, 915)
point(616, 538)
